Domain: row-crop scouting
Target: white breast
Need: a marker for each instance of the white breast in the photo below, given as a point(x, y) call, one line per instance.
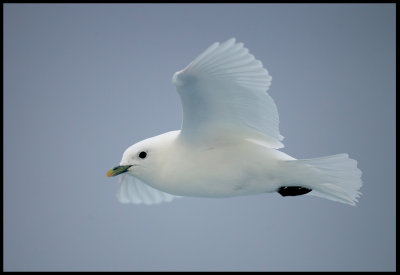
point(221, 170)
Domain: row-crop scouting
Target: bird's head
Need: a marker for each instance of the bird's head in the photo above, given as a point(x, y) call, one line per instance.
point(136, 160)
point(144, 158)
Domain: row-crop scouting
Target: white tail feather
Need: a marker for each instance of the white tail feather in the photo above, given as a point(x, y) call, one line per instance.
point(335, 178)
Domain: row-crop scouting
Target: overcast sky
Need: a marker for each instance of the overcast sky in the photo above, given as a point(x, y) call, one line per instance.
point(82, 82)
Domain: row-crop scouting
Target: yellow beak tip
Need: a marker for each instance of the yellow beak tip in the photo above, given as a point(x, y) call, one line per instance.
point(110, 173)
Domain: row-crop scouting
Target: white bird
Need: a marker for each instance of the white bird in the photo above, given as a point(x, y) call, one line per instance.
point(228, 142)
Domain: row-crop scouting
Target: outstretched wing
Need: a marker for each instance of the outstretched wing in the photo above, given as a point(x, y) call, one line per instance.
point(223, 93)
point(133, 190)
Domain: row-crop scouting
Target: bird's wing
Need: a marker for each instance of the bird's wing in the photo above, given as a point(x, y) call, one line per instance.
point(133, 190)
point(223, 92)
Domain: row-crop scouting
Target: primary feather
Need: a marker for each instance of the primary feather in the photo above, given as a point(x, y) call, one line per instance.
point(223, 93)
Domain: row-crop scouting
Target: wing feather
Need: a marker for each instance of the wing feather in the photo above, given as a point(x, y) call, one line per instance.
point(223, 92)
point(133, 190)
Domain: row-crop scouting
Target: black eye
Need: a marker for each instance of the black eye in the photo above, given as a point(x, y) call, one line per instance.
point(142, 155)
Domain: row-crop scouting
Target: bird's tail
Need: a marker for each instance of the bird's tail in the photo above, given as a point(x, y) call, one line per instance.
point(333, 177)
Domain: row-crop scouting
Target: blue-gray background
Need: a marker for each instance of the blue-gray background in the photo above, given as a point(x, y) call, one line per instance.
point(83, 82)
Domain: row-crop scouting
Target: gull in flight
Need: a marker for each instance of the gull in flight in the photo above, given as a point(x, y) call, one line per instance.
point(228, 143)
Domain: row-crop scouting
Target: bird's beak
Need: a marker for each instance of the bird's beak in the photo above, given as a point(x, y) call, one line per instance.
point(117, 170)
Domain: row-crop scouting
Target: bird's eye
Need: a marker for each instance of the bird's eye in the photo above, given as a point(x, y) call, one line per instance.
point(142, 155)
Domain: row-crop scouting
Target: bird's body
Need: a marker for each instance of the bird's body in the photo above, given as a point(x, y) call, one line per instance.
point(220, 169)
point(229, 141)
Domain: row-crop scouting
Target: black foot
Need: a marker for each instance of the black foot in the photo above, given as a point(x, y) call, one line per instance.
point(293, 190)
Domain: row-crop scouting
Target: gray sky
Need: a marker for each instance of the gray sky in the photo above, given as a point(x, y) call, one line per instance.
point(82, 82)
